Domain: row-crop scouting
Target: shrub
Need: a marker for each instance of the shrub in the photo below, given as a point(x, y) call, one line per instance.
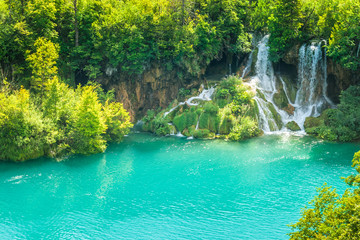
point(180, 122)
point(247, 128)
point(202, 133)
point(63, 121)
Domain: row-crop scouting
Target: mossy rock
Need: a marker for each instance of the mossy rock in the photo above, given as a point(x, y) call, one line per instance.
point(188, 132)
point(260, 94)
point(208, 121)
point(293, 126)
point(202, 133)
point(180, 122)
point(311, 122)
point(226, 125)
point(280, 99)
point(290, 87)
point(221, 102)
point(276, 115)
point(191, 118)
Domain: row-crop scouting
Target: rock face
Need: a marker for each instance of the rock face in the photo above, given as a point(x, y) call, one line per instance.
point(154, 88)
point(292, 56)
point(157, 86)
point(339, 79)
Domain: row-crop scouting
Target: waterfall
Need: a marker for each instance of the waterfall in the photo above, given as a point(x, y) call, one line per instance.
point(311, 97)
point(205, 95)
point(248, 66)
point(264, 82)
point(197, 124)
point(172, 131)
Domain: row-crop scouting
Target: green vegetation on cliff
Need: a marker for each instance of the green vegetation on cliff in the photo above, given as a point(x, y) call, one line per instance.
point(331, 216)
point(340, 124)
point(231, 114)
point(61, 121)
point(297, 21)
point(94, 36)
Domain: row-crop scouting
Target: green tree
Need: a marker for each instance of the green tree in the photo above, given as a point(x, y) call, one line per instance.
point(89, 123)
point(43, 62)
point(284, 27)
point(117, 120)
point(330, 215)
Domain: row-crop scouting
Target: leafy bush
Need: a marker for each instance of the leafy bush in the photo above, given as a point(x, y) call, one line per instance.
point(246, 128)
point(64, 121)
point(330, 215)
point(341, 124)
point(211, 108)
point(202, 133)
point(184, 92)
point(180, 122)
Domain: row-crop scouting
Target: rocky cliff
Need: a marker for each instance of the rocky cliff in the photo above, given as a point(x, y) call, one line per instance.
point(155, 88)
point(338, 78)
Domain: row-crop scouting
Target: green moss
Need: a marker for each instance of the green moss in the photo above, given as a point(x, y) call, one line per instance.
point(280, 99)
point(191, 118)
point(290, 87)
point(180, 122)
point(276, 115)
point(311, 122)
point(293, 126)
point(204, 120)
point(221, 102)
point(202, 133)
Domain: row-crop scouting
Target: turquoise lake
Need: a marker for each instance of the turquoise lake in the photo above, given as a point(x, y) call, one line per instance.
point(151, 187)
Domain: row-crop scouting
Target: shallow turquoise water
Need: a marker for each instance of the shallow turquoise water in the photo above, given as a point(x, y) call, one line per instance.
point(171, 188)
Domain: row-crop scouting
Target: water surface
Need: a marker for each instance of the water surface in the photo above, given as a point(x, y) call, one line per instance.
point(170, 188)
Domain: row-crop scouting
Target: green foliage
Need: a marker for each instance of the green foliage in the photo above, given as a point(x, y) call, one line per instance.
point(331, 216)
point(296, 21)
point(125, 35)
point(345, 36)
point(184, 92)
point(23, 132)
point(202, 133)
point(235, 119)
point(245, 128)
point(42, 62)
point(341, 124)
point(63, 121)
point(284, 26)
point(180, 122)
point(117, 120)
point(293, 126)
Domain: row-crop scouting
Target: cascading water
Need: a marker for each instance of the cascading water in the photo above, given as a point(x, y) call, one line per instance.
point(311, 98)
point(205, 95)
point(264, 82)
point(248, 65)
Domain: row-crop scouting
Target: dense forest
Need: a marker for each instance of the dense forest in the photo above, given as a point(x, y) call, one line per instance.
point(48, 45)
point(86, 38)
